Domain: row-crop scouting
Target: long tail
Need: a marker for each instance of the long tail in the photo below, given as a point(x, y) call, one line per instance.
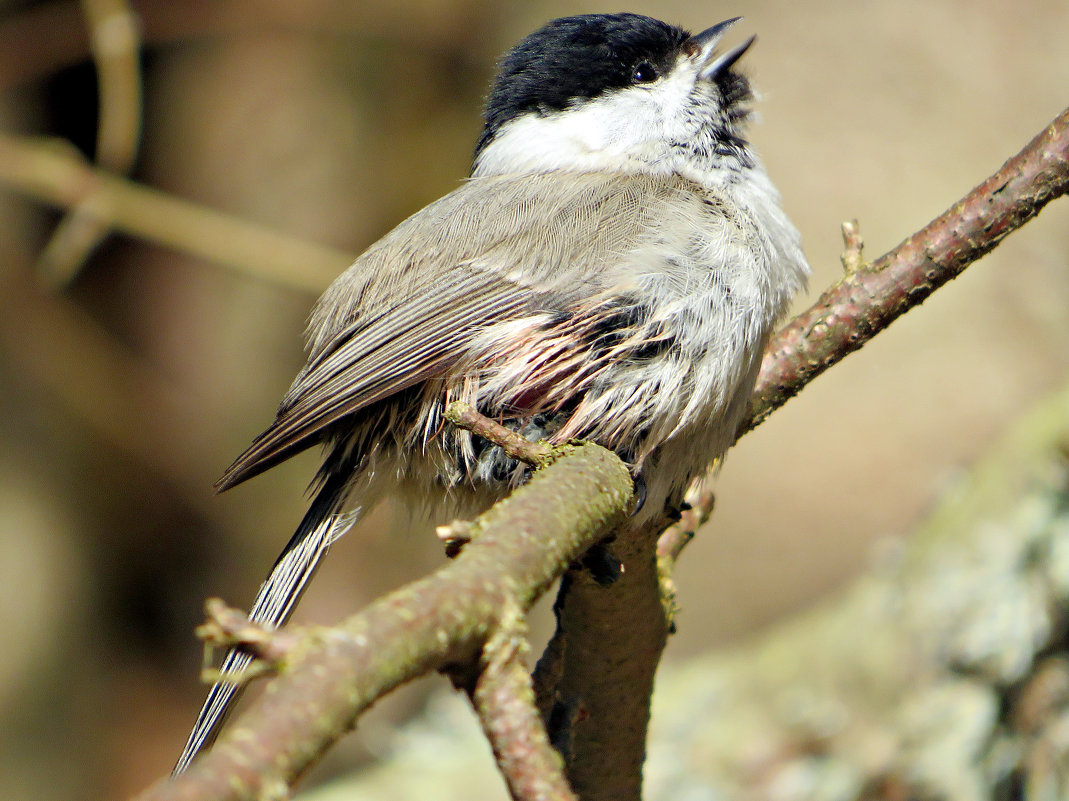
point(322, 524)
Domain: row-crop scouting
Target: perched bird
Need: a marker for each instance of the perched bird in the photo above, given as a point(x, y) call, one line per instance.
point(611, 271)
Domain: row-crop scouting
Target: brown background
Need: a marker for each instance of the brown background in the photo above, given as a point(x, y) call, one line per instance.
point(333, 122)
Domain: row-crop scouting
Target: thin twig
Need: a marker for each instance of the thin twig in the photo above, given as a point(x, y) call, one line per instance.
point(454, 536)
point(227, 627)
point(697, 509)
point(115, 44)
point(463, 415)
point(853, 245)
point(504, 701)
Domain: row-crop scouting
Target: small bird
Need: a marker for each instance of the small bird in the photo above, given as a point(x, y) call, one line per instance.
point(611, 271)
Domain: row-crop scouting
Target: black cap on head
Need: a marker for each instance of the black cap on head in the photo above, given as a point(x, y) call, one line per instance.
point(576, 58)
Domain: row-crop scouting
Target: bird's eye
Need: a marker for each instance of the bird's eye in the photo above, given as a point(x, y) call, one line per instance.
point(645, 73)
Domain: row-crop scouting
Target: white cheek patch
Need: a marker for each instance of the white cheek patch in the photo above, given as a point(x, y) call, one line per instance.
point(667, 127)
point(586, 137)
point(673, 94)
point(629, 129)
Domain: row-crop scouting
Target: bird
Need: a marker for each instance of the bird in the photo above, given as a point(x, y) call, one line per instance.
point(611, 270)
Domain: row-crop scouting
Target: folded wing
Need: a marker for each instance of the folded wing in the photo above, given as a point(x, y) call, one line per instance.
point(374, 358)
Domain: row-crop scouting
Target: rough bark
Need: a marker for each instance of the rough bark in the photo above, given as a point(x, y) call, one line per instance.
point(442, 622)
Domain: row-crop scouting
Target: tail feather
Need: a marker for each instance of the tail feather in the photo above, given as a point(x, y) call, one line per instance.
point(278, 595)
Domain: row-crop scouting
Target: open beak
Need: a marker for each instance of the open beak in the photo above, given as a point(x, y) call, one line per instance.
point(705, 43)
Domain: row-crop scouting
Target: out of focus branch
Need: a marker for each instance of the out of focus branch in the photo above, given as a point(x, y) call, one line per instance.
point(142, 411)
point(114, 38)
point(53, 172)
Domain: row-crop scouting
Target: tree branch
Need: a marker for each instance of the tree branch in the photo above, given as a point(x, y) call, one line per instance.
point(463, 415)
point(226, 627)
point(870, 298)
point(941, 673)
point(41, 39)
point(522, 544)
point(603, 645)
point(504, 700)
point(596, 679)
point(697, 509)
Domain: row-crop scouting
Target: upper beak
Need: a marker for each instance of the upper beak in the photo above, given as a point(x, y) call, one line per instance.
point(705, 42)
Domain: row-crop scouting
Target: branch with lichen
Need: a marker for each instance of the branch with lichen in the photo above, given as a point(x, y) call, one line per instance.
point(442, 622)
point(940, 673)
point(503, 698)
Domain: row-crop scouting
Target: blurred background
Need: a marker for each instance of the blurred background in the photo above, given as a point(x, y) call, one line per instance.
point(132, 373)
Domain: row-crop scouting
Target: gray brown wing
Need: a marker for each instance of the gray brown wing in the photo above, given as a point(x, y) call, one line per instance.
point(379, 355)
point(409, 306)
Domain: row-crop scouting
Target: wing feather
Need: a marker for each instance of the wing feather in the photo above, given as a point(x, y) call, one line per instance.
point(366, 364)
